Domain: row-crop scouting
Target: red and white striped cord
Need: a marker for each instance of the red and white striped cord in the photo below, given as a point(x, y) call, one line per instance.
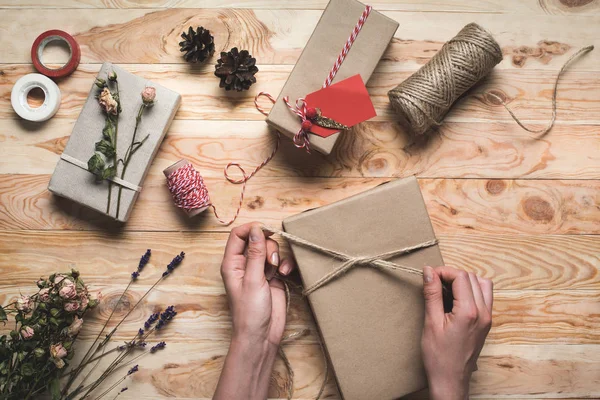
point(347, 46)
point(300, 138)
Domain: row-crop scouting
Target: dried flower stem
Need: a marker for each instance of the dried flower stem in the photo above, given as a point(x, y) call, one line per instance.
point(110, 183)
point(131, 150)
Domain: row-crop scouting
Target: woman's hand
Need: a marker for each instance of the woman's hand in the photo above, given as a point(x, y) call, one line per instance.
point(451, 342)
point(258, 310)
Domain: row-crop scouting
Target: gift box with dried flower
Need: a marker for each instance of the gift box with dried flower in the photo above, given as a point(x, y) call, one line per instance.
point(113, 142)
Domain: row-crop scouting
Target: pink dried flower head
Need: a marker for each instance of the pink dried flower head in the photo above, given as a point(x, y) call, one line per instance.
point(58, 279)
point(24, 303)
point(71, 306)
point(57, 351)
point(27, 332)
point(148, 95)
point(44, 295)
point(75, 326)
point(68, 290)
point(84, 302)
point(107, 102)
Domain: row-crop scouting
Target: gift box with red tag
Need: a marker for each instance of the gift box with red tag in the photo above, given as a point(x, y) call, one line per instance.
point(329, 84)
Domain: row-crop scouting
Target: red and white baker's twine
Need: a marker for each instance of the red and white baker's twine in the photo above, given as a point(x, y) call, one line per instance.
point(301, 138)
point(347, 46)
point(186, 184)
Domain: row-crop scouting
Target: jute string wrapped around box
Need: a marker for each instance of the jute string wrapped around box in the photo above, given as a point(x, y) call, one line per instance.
point(379, 261)
point(422, 101)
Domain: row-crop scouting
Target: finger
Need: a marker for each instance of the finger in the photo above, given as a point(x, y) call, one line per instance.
point(487, 287)
point(432, 292)
point(477, 293)
point(287, 266)
point(273, 253)
point(256, 255)
point(279, 303)
point(461, 289)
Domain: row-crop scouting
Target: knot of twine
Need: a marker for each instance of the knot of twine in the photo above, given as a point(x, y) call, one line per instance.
point(300, 138)
point(376, 261)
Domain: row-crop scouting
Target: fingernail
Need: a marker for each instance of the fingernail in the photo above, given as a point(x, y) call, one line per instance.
point(427, 274)
point(255, 233)
point(275, 259)
point(285, 268)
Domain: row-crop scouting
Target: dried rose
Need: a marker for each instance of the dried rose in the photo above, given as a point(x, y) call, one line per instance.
point(24, 303)
point(59, 363)
point(71, 306)
point(27, 332)
point(58, 279)
point(57, 351)
point(84, 302)
point(68, 290)
point(44, 295)
point(148, 95)
point(107, 102)
point(75, 326)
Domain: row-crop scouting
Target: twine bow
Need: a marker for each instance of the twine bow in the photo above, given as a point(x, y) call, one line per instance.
point(301, 137)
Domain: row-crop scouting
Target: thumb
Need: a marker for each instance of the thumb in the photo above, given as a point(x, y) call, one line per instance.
point(432, 292)
point(256, 255)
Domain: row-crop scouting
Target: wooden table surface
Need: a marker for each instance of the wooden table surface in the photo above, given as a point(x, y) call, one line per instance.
point(521, 210)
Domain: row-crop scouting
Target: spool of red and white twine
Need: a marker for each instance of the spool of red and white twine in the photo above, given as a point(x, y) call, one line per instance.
point(187, 186)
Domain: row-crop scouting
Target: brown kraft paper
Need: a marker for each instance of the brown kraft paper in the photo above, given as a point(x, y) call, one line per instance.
point(319, 55)
point(77, 183)
point(370, 320)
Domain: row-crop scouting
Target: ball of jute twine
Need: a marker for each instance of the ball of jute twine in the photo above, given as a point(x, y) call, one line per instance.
point(423, 100)
point(425, 97)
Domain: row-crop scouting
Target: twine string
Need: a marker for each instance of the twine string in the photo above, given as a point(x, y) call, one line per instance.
point(377, 261)
point(545, 130)
point(423, 100)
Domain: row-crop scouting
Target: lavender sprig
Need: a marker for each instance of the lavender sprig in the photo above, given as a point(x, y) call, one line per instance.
point(143, 261)
point(158, 346)
point(151, 320)
point(133, 370)
point(174, 264)
point(165, 317)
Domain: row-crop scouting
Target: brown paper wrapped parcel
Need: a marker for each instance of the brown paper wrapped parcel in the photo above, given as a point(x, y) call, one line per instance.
point(72, 180)
point(319, 55)
point(370, 320)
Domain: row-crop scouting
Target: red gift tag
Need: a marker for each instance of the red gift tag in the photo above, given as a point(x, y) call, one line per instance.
point(346, 102)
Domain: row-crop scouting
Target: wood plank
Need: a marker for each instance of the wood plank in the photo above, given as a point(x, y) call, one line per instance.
point(513, 262)
point(529, 94)
point(455, 205)
point(561, 7)
point(519, 317)
point(278, 36)
point(372, 149)
point(184, 371)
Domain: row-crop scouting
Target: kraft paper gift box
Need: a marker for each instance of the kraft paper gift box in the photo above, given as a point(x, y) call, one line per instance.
point(72, 180)
point(370, 320)
point(321, 51)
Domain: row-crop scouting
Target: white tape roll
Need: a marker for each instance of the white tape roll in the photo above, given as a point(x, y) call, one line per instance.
point(23, 86)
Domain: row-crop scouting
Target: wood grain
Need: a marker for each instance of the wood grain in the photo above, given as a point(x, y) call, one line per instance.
point(191, 370)
point(520, 317)
point(561, 7)
point(513, 262)
point(278, 36)
point(472, 206)
point(529, 94)
point(372, 149)
point(520, 210)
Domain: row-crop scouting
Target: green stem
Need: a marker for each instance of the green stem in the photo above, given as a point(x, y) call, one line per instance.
point(129, 153)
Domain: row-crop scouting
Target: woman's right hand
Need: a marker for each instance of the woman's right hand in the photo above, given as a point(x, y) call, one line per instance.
point(452, 341)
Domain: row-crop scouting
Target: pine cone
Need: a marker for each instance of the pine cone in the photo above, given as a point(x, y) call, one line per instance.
point(197, 45)
point(236, 70)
